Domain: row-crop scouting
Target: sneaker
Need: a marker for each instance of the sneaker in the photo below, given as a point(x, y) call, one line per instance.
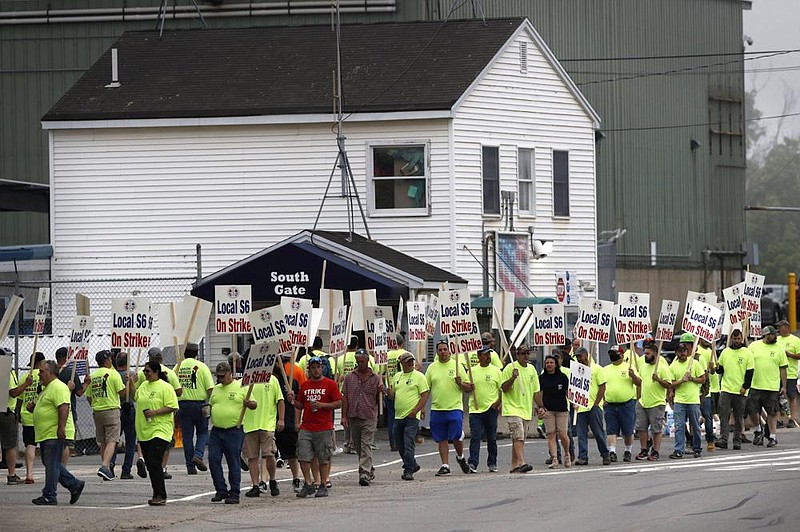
point(255, 491)
point(296, 485)
point(338, 450)
point(515, 470)
point(13, 480)
point(525, 468)
point(642, 455)
point(721, 444)
point(548, 461)
point(737, 447)
point(697, 454)
point(612, 456)
point(75, 494)
point(273, 488)
point(553, 465)
point(126, 475)
point(792, 424)
point(772, 442)
point(157, 501)
point(407, 476)
point(191, 470)
point(44, 501)
point(654, 457)
point(321, 492)
point(492, 469)
point(305, 491)
point(607, 460)
point(443, 471)
point(626, 457)
point(581, 461)
point(711, 446)
point(417, 467)
point(262, 487)
point(244, 465)
point(232, 500)
point(220, 496)
point(676, 455)
point(758, 438)
point(279, 463)
point(141, 469)
point(199, 464)
point(167, 475)
point(105, 473)
point(463, 463)
point(363, 480)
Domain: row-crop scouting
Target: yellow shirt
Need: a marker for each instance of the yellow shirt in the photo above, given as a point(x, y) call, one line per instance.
point(735, 363)
point(12, 383)
point(445, 393)
point(494, 359)
point(29, 396)
point(687, 393)
point(518, 400)
point(487, 387)
point(653, 394)
point(597, 380)
point(226, 404)
point(408, 388)
point(790, 344)
point(619, 385)
point(152, 395)
point(104, 387)
point(767, 361)
point(195, 379)
point(265, 417)
point(45, 415)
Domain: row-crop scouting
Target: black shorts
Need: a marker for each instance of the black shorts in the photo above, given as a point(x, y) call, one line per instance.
point(8, 430)
point(286, 440)
point(768, 400)
point(791, 388)
point(28, 436)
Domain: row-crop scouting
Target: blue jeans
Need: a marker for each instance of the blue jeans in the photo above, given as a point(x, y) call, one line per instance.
point(388, 407)
point(681, 412)
point(128, 428)
point(594, 419)
point(405, 434)
point(54, 472)
point(480, 424)
point(227, 442)
point(191, 420)
point(707, 410)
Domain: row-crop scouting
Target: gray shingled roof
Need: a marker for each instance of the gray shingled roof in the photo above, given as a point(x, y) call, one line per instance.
point(415, 66)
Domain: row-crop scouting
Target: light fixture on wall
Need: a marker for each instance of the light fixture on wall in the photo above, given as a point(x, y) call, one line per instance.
point(540, 248)
point(694, 144)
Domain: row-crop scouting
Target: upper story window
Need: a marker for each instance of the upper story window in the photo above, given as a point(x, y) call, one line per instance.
point(560, 183)
point(525, 182)
point(400, 178)
point(491, 179)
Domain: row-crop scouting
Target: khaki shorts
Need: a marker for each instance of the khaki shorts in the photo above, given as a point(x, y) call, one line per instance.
point(317, 445)
point(650, 417)
point(555, 422)
point(259, 443)
point(518, 428)
point(106, 426)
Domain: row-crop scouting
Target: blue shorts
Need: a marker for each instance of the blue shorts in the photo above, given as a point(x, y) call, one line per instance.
point(620, 416)
point(447, 425)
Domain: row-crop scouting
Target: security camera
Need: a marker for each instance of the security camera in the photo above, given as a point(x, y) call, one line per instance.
point(542, 248)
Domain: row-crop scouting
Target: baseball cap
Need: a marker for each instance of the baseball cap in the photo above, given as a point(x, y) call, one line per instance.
point(615, 349)
point(405, 356)
point(154, 352)
point(769, 329)
point(783, 323)
point(487, 337)
point(222, 369)
point(314, 360)
point(484, 349)
point(101, 356)
point(687, 337)
point(359, 351)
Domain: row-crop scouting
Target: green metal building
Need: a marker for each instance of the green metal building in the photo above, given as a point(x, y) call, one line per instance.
point(665, 76)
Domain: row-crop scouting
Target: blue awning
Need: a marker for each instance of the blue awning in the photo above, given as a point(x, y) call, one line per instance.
point(11, 253)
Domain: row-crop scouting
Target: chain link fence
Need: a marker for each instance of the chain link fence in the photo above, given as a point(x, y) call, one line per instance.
point(21, 343)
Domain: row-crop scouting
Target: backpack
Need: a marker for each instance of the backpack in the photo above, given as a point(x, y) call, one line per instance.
point(327, 372)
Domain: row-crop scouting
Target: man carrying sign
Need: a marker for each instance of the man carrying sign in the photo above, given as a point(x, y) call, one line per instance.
point(318, 398)
point(622, 381)
point(31, 387)
point(735, 368)
point(195, 379)
point(409, 391)
point(486, 379)
point(686, 380)
point(227, 399)
point(520, 390)
point(103, 389)
point(653, 401)
point(260, 426)
point(790, 344)
point(769, 383)
point(591, 416)
point(447, 415)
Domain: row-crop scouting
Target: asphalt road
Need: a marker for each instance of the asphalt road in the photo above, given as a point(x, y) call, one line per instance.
point(755, 488)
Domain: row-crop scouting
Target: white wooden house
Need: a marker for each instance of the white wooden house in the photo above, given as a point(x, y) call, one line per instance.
point(224, 138)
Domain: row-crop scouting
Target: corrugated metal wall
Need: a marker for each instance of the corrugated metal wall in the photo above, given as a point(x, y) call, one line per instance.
point(649, 181)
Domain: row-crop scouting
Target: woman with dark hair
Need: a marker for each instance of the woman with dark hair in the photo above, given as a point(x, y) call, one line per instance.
point(554, 384)
point(155, 404)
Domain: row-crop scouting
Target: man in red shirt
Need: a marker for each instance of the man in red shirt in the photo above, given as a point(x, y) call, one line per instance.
point(316, 400)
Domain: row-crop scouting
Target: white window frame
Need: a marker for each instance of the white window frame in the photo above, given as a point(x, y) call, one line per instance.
point(529, 213)
point(370, 178)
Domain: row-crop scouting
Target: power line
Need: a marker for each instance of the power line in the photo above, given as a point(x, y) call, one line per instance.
point(681, 70)
point(678, 126)
point(677, 56)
